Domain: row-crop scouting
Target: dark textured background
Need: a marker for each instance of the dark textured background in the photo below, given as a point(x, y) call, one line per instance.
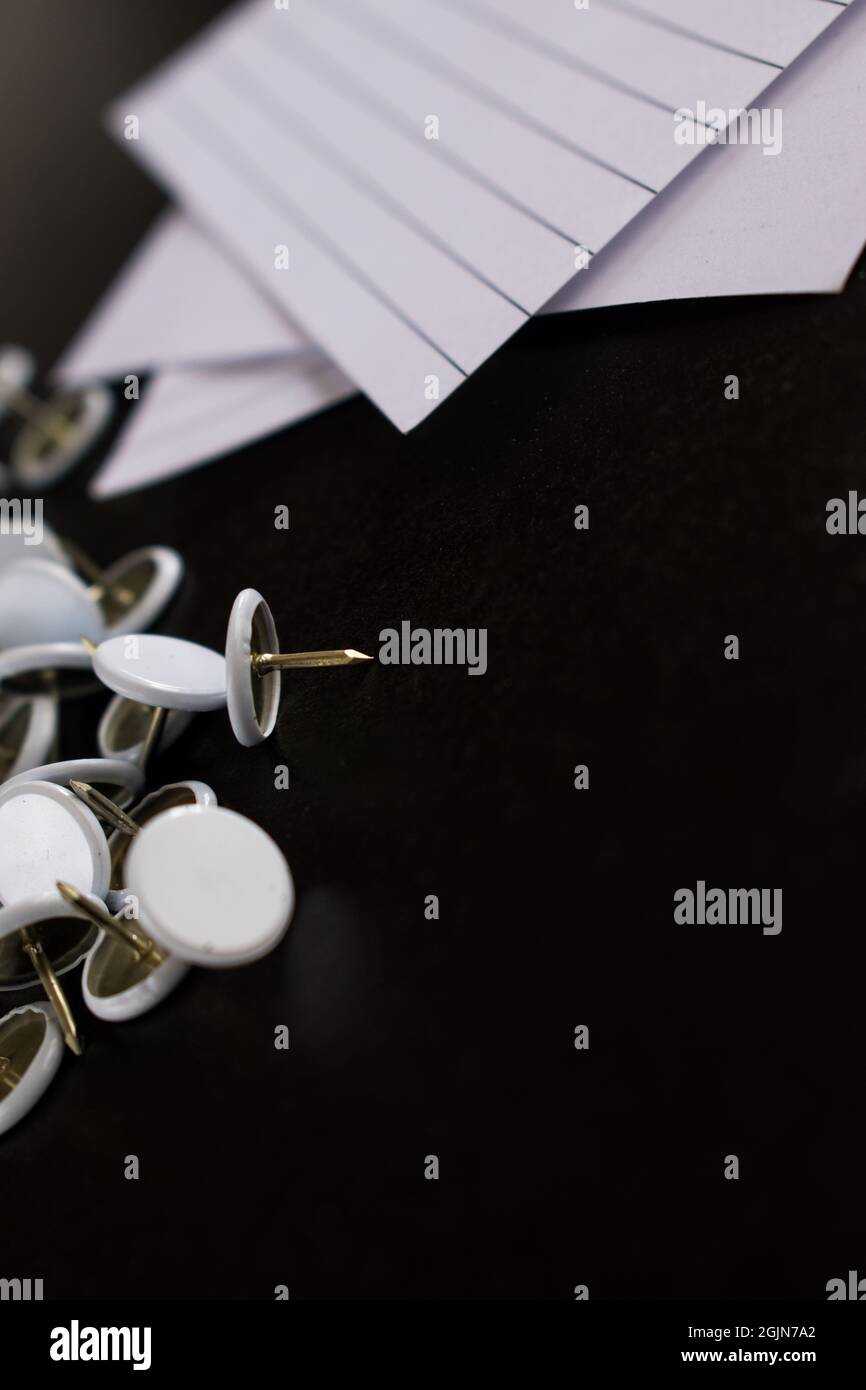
point(455, 1038)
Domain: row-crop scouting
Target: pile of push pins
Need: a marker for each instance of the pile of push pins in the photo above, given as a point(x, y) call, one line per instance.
point(138, 887)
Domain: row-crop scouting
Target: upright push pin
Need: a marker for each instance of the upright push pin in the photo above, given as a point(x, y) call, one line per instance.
point(170, 673)
point(54, 434)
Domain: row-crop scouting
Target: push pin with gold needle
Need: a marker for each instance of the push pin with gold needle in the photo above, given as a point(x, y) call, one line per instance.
point(118, 984)
point(210, 886)
point(40, 939)
point(46, 833)
point(57, 669)
point(31, 1048)
point(170, 673)
point(42, 600)
point(56, 433)
point(133, 731)
point(28, 732)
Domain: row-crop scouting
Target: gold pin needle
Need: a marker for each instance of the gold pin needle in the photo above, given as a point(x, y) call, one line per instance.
point(89, 647)
point(34, 950)
point(98, 588)
point(152, 737)
point(9, 1077)
point(104, 807)
point(141, 946)
point(262, 662)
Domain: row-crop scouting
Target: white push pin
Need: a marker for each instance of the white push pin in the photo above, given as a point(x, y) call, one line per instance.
point(121, 779)
point(41, 938)
point(174, 674)
point(212, 887)
point(31, 1048)
point(119, 981)
point(47, 833)
point(126, 725)
point(28, 732)
point(61, 669)
point(54, 434)
point(42, 601)
point(17, 370)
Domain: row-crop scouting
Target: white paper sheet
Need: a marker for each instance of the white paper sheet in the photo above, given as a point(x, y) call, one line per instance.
point(737, 223)
point(188, 417)
point(177, 303)
point(774, 30)
point(411, 260)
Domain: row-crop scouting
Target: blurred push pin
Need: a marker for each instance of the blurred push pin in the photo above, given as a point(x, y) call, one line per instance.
point(54, 434)
point(169, 673)
point(28, 732)
point(42, 600)
point(31, 1048)
point(58, 669)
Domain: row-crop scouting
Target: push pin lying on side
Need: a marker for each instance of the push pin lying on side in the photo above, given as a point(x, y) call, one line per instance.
point(44, 601)
point(211, 888)
point(54, 434)
point(28, 732)
point(31, 1048)
point(41, 938)
point(122, 778)
point(174, 674)
point(119, 983)
point(61, 670)
point(46, 833)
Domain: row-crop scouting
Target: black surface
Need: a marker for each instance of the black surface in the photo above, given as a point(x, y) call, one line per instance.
point(454, 1038)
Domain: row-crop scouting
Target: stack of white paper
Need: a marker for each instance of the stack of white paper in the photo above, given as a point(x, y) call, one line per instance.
point(376, 194)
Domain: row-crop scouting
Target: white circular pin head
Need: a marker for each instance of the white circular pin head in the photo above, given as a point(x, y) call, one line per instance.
point(124, 725)
point(117, 985)
point(31, 1049)
point(253, 700)
point(150, 577)
point(153, 805)
point(46, 667)
point(40, 461)
point(28, 732)
point(116, 778)
point(41, 601)
point(47, 834)
point(212, 886)
point(163, 672)
point(17, 370)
